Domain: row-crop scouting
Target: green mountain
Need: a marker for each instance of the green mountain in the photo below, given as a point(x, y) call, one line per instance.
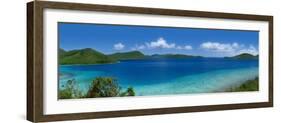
point(173, 56)
point(127, 55)
point(91, 56)
point(61, 52)
point(244, 56)
point(83, 56)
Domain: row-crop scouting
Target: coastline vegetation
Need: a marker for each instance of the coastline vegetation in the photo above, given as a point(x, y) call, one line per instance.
point(100, 87)
point(244, 56)
point(70, 91)
point(109, 87)
point(91, 56)
point(250, 85)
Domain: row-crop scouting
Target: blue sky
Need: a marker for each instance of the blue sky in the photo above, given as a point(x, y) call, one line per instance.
point(157, 40)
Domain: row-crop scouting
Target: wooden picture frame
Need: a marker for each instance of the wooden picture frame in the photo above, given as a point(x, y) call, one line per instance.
point(35, 60)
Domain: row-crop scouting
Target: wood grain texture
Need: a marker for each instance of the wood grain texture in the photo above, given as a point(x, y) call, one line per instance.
point(30, 89)
point(270, 66)
point(35, 53)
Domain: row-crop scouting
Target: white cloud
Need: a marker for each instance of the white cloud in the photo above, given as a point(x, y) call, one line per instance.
point(139, 47)
point(229, 48)
point(235, 45)
point(118, 46)
point(186, 47)
point(251, 49)
point(160, 43)
point(220, 47)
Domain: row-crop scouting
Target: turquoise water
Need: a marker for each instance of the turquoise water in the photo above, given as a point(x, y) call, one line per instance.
point(166, 76)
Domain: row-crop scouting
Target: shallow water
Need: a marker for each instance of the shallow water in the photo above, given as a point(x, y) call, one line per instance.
point(166, 76)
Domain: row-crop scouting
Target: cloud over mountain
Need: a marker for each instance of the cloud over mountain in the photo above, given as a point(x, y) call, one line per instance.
point(118, 46)
point(228, 48)
point(161, 43)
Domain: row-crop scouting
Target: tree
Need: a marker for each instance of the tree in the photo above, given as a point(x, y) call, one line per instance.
point(70, 90)
point(104, 87)
point(129, 92)
point(100, 87)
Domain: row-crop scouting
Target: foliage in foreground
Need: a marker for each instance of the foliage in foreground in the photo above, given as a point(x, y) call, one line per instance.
point(104, 87)
point(100, 87)
point(70, 91)
point(250, 85)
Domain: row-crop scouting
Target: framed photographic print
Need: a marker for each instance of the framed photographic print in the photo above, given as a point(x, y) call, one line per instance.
point(96, 61)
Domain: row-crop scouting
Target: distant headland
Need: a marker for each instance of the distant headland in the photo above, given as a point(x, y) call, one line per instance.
point(92, 56)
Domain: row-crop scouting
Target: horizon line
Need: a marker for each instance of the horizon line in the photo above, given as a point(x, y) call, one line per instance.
point(159, 53)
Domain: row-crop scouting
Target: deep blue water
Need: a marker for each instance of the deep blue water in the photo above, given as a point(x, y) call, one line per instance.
point(166, 76)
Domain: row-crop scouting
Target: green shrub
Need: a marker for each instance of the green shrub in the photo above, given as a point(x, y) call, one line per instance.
point(104, 87)
point(65, 94)
point(70, 91)
point(129, 92)
point(250, 85)
point(100, 87)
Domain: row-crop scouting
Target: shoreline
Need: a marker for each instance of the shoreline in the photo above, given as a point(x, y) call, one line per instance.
point(118, 61)
point(88, 64)
point(160, 88)
point(243, 87)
